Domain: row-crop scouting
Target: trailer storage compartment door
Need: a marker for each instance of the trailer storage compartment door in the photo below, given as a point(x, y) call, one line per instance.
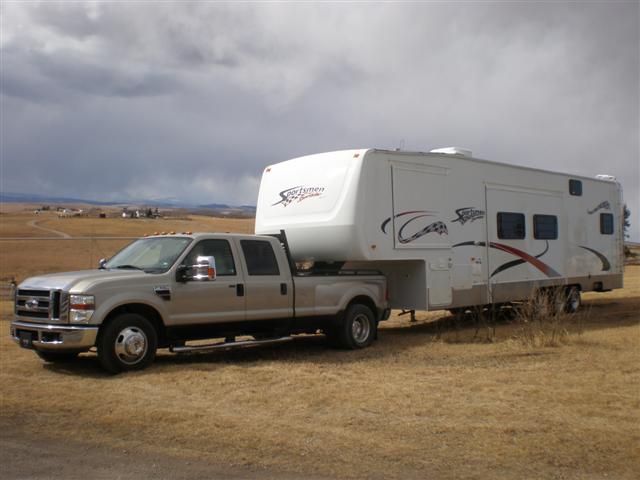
point(419, 223)
point(419, 206)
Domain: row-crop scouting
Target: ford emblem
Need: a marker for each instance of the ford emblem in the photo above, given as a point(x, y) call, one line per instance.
point(31, 304)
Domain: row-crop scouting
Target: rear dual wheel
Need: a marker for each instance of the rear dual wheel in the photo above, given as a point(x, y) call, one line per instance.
point(357, 329)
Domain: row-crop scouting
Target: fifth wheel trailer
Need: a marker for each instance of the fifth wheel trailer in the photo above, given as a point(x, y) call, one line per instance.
point(447, 229)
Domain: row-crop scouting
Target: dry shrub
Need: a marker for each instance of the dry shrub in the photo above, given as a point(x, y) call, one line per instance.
point(544, 321)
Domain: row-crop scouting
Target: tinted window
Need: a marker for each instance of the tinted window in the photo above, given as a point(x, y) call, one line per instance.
point(575, 187)
point(511, 225)
point(606, 223)
point(259, 257)
point(545, 227)
point(216, 248)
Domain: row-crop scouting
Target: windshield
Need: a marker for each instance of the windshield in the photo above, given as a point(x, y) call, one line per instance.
point(154, 255)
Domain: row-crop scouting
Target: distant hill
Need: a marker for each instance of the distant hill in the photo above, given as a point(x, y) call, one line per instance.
point(210, 209)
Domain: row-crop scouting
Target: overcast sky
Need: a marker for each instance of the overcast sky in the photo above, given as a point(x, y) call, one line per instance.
point(160, 100)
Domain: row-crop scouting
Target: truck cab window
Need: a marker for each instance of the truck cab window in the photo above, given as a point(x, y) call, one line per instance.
point(259, 257)
point(220, 249)
point(511, 226)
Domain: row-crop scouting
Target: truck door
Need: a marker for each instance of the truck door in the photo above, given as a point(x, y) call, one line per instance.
point(216, 301)
point(268, 282)
point(419, 224)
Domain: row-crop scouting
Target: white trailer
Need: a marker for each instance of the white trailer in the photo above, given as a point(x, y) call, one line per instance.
point(448, 230)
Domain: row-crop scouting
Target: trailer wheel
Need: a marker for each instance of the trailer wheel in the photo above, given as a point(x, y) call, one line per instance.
point(573, 300)
point(358, 328)
point(128, 342)
point(57, 357)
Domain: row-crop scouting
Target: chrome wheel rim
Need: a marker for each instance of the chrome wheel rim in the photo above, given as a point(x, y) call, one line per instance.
point(360, 328)
point(131, 345)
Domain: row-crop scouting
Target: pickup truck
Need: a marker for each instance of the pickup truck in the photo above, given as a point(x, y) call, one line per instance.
point(163, 291)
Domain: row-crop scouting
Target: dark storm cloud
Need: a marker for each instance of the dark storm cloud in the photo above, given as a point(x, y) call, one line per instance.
point(192, 101)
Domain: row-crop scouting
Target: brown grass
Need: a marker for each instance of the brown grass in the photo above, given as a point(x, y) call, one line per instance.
point(428, 400)
point(21, 258)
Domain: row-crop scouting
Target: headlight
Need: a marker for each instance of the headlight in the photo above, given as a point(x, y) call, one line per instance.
point(81, 308)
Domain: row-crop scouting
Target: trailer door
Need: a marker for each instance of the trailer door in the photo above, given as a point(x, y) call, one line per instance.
point(419, 224)
point(526, 236)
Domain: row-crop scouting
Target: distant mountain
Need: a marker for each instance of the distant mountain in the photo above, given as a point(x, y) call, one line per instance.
point(214, 205)
point(12, 197)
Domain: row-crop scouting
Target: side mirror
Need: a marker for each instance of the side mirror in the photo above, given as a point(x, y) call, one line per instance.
point(203, 270)
point(102, 263)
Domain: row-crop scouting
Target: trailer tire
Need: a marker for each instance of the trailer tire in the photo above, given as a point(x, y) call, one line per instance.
point(128, 342)
point(358, 328)
point(57, 357)
point(573, 300)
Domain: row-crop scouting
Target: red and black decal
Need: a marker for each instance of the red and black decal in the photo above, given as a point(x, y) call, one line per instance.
point(524, 257)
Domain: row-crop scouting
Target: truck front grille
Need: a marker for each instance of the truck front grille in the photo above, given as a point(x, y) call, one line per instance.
point(39, 304)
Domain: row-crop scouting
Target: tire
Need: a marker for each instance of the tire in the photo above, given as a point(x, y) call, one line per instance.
point(558, 301)
point(57, 357)
point(358, 328)
point(128, 342)
point(574, 301)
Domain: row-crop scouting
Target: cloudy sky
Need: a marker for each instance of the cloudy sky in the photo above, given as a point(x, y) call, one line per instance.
point(166, 100)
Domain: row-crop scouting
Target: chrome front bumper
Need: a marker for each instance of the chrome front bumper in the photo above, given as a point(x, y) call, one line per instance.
point(53, 337)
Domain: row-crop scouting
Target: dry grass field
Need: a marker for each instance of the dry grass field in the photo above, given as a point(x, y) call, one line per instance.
point(432, 399)
point(33, 255)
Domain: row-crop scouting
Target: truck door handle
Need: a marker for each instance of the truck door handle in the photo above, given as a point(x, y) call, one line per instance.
point(240, 290)
point(283, 289)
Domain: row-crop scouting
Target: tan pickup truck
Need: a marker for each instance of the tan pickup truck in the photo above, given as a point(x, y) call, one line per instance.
point(164, 291)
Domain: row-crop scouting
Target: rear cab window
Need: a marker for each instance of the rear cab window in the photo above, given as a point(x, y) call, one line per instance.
point(259, 257)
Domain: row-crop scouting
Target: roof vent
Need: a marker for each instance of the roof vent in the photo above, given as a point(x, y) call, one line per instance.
point(608, 178)
point(452, 151)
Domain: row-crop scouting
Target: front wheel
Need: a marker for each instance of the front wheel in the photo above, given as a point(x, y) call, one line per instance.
point(57, 357)
point(128, 342)
point(358, 328)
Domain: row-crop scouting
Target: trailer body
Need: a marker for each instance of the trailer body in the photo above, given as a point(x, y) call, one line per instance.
point(448, 230)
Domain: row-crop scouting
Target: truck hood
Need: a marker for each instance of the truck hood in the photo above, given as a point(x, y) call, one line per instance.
point(67, 280)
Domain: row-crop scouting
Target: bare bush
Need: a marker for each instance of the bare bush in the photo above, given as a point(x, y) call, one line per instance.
point(543, 318)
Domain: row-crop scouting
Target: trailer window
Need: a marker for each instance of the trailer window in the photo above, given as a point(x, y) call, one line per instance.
point(575, 187)
point(606, 223)
point(545, 227)
point(259, 257)
point(511, 225)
